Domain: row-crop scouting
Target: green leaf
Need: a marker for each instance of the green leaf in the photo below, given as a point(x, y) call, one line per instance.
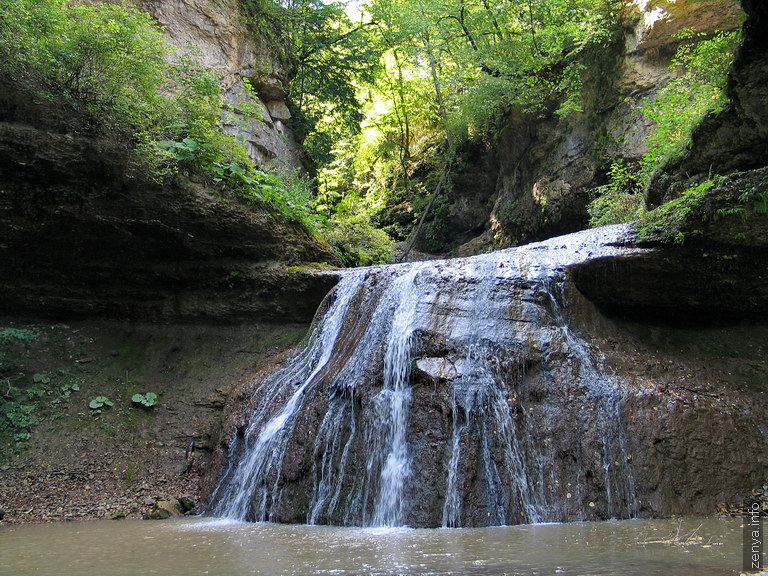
point(100, 402)
point(147, 400)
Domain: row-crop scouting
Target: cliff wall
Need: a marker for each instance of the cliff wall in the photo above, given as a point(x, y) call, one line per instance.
point(216, 33)
point(86, 231)
point(537, 174)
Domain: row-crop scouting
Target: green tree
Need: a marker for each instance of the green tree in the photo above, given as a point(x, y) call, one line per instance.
point(106, 56)
point(451, 70)
point(332, 57)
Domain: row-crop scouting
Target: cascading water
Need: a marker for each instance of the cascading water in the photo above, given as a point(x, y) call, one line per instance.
point(256, 475)
point(603, 393)
point(439, 393)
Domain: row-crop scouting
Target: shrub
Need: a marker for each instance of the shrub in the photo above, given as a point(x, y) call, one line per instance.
point(17, 336)
point(106, 56)
point(358, 243)
point(23, 398)
point(113, 60)
point(620, 200)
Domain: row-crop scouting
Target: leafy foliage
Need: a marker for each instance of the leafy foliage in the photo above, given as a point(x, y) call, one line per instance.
point(109, 57)
point(700, 89)
point(448, 70)
point(621, 200)
point(17, 336)
point(333, 56)
point(664, 223)
point(330, 56)
point(147, 400)
point(754, 200)
point(22, 398)
point(358, 242)
point(382, 95)
point(113, 60)
point(100, 402)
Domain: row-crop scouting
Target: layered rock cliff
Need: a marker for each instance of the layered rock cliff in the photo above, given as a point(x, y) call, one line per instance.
point(86, 232)
point(735, 140)
point(719, 274)
point(217, 34)
point(533, 182)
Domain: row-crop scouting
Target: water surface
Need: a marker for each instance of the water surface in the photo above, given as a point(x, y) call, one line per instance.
point(189, 547)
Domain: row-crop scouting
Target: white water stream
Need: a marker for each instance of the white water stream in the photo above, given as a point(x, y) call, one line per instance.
point(357, 369)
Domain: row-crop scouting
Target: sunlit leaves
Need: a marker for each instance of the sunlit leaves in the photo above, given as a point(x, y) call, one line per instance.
point(679, 106)
point(490, 55)
point(332, 56)
point(103, 55)
point(449, 72)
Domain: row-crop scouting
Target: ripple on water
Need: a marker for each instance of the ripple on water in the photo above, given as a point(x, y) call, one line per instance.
point(191, 547)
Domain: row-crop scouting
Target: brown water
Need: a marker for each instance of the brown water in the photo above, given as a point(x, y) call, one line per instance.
point(204, 547)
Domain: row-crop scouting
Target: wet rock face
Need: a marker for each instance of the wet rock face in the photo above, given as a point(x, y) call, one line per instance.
point(85, 234)
point(489, 391)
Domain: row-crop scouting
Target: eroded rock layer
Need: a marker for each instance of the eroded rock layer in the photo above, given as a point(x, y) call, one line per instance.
point(86, 232)
point(486, 391)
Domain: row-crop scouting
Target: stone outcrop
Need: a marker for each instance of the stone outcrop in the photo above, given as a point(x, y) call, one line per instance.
point(737, 138)
point(719, 274)
point(541, 169)
point(85, 234)
point(216, 34)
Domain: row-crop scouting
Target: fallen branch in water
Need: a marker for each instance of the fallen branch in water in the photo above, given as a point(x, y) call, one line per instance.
point(678, 539)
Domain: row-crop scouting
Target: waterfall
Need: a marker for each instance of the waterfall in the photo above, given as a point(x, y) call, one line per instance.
point(446, 393)
point(253, 482)
point(619, 479)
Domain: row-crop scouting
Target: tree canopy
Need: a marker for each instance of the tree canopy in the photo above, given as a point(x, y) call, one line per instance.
point(383, 93)
point(387, 89)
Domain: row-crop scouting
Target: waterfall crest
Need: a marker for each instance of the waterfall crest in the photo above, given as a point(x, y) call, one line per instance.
point(446, 393)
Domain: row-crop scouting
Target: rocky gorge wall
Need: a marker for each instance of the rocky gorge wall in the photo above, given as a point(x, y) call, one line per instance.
point(85, 232)
point(736, 140)
point(533, 181)
point(216, 33)
point(127, 285)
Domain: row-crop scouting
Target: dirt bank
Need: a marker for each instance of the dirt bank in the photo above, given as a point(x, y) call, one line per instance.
point(69, 461)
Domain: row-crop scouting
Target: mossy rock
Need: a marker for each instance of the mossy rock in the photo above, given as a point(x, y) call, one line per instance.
point(157, 514)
